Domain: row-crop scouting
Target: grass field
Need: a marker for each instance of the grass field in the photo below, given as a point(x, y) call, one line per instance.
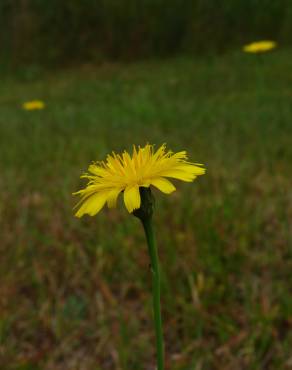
point(76, 294)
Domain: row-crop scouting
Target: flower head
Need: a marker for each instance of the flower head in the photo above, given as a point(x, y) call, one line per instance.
point(259, 47)
point(124, 173)
point(33, 105)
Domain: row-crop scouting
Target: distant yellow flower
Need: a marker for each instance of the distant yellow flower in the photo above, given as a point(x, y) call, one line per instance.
point(33, 105)
point(259, 47)
point(125, 173)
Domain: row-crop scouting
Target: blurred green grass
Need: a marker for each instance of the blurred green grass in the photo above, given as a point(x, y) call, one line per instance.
point(76, 294)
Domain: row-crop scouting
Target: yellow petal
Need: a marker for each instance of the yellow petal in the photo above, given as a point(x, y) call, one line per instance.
point(163, 185)
point(179, 175)
point(180, 155)
point(89, 189)
point(132, 198)
point(112, 197)
point(159, 152)
point(97, 170)
point(92, 205)
point(191, 168)
point(184, 172)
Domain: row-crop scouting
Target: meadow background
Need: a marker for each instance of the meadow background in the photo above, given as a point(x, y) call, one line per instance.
point(76, 294)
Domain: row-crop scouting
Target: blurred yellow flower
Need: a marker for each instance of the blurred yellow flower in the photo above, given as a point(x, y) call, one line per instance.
point(125, 173)
point(33, 105)
point(260, 46)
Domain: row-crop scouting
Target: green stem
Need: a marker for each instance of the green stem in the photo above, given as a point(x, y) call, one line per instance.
point(152, 249)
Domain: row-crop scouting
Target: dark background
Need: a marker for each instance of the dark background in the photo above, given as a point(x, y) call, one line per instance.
point(60, 31)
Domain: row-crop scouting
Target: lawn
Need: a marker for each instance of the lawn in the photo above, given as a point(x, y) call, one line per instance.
point(76, 293)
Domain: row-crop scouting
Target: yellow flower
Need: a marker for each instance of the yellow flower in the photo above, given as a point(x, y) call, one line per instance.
point(125, 173)
point(33, 105)
point(259, 47)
